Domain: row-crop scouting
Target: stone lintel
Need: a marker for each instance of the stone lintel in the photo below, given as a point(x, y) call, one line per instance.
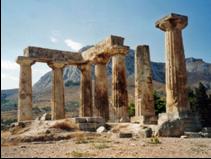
point(105, 49)
point(172, 21)
point(103, 54)
point(48, 55)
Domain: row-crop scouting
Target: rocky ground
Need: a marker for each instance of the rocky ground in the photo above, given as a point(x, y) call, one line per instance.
point(110, 146)
point(64, 138)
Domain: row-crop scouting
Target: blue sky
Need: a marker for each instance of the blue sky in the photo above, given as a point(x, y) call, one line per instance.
point(71, 24)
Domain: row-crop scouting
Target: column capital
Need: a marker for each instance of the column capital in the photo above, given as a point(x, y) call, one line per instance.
point(56, 65)
point(84, 67)
point(172, 22)
point(25, 60)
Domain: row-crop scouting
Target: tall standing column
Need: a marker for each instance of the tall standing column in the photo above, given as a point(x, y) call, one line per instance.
point(57, 101)
point(86, 109)
point(119, 89)
point(25, 90)
point(101, 105)
point(144, 101)
point(176, 76)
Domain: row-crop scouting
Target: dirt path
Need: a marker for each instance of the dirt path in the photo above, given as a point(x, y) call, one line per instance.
point(110, 147)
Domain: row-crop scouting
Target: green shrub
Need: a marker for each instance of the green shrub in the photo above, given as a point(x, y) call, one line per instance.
point(160, 104)
point(155, 140)
point(131, 109)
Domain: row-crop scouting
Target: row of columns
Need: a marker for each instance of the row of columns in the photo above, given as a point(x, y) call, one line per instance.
point(101, 101)
point(176, 82)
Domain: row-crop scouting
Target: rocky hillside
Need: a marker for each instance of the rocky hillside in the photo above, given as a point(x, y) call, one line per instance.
point(198, 70)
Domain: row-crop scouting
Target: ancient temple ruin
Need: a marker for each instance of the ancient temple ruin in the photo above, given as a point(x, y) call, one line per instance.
point(99, 55)
point(112, 48)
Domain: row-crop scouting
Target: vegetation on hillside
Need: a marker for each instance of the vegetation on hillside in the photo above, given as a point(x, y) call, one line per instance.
point(200, 103)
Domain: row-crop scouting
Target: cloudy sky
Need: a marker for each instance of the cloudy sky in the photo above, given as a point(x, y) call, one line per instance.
point(72, 24)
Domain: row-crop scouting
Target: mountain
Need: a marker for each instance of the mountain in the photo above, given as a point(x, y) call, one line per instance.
point(197, 70)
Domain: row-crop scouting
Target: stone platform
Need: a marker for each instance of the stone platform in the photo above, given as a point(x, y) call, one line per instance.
point(89, 123)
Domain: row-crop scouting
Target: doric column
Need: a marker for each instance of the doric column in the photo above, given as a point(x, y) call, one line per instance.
point(119, 89)
point(101, 105)
point(25, 90)
point(86, 109)
point(57, 99)
point(144, 101)
point(176, 76)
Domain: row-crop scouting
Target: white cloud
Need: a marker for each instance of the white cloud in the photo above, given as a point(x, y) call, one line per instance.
point(9, 65)
point(75, 46)
point(8, 77)
point(53, 39)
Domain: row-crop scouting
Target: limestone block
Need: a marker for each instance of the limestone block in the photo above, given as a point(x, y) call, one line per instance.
point(125, 135)
point(171, 128)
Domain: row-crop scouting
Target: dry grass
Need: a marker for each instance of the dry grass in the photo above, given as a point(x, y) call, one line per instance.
point(117, 128)
point(67, 125)
point(101, 146)
point(78, 154)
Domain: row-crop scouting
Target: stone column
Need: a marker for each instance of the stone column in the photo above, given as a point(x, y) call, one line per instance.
point(25, 90)
point(101, 105)
point(176, 76)
point(86, 109)
point(144, 100)
point(119, 89)
point(57, 99)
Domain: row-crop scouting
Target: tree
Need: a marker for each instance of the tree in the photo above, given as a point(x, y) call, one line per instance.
point(202, 105)
point(160, 104)
point(192, 99)
point(131, 110)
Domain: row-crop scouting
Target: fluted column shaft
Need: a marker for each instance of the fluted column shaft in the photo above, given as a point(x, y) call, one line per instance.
point(176, 75)
point(119, 89)
point(101, 105)
point(25, 91)
point(86, 109)
point(144, 101)
point(57, 101)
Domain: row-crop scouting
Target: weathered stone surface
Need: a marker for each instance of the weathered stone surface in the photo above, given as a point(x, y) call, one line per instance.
point(119, 90)
point(176, 76)
point(57, 91)
point(25, 90)
point(101, 129)
point(144, 101)
point(172, 21)
point(145, 132)
point(171, 128)
point(89, 120)
point(193, 134)
point(50, 55)
point(125, 135)
point(80, 120)
point(46, 116)
point(89, 126)
point(86, 108)
point(144, 120)
point(206, 130)
point(101, 105)
point(102, 51)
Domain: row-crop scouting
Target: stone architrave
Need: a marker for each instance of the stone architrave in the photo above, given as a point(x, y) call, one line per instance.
point(119, 89)
point(86, 109)
point(101, 103)
point(176, 75)
point(57, 101)
point(144, 101)
point(25, 90)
